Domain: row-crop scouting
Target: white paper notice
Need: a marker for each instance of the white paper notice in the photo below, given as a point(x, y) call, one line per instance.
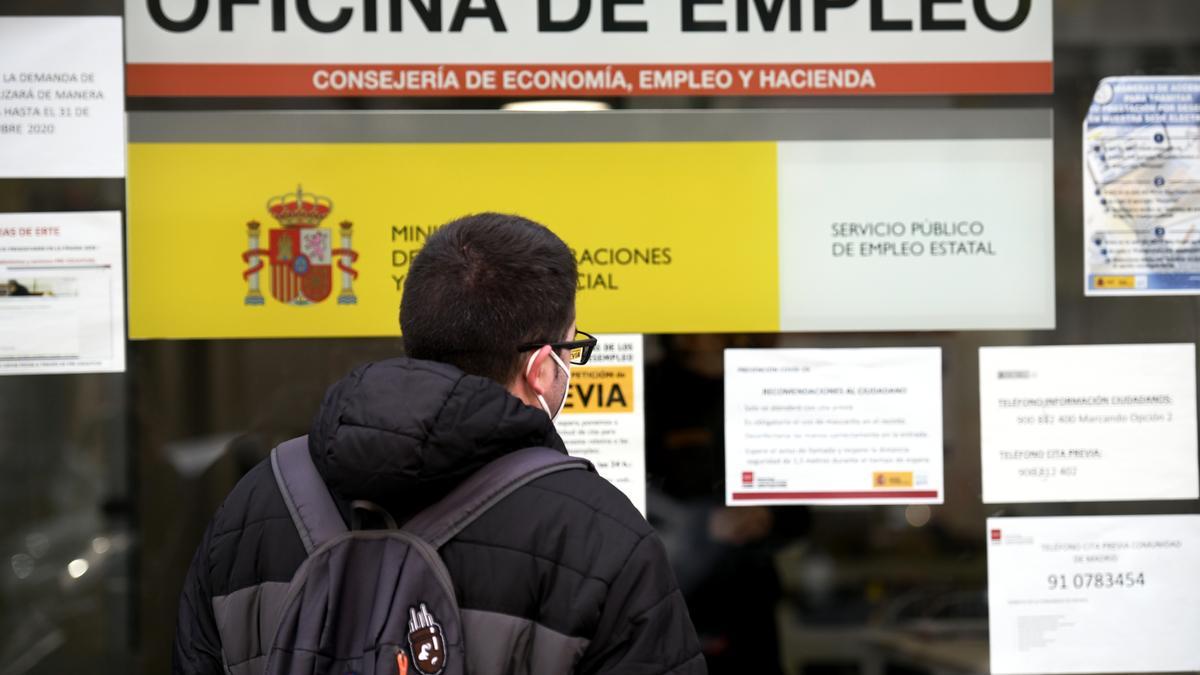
point(62, 97)
point(62, 293)
point(1094, 594)
point(833, 426)
point(604, 420)
point(1089, 423)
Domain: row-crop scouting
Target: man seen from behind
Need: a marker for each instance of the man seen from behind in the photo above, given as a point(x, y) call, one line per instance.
point(561, 576)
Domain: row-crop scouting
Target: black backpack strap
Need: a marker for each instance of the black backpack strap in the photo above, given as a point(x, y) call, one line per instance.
point(442, 521)
point(307, 497)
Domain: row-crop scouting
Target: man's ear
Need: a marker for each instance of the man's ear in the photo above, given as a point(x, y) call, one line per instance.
point(538, 378)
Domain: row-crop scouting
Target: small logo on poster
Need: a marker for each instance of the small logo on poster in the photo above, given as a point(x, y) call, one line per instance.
point(747, 478)
point(997, 536)
point(892, 479)
point(301, 253)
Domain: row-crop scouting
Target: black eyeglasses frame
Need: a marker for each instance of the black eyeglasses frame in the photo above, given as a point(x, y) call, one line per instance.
point(587, 346)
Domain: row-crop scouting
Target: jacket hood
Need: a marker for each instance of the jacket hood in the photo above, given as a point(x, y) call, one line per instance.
point(402, 432)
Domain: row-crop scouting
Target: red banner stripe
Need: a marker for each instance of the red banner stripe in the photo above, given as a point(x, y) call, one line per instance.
point(807, 79)
point(881, 494)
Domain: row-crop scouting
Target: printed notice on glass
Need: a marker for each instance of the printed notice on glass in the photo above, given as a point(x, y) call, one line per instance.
point(62, 97)
point(604, 420)
point(833, 426)
point(1141, 179)
point(1088, 423)
point(1094, 594)
point(62, 293)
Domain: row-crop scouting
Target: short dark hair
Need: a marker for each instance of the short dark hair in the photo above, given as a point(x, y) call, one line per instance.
point(482, 286)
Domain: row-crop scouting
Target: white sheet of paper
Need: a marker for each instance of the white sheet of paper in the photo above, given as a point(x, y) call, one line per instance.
point(62, 97)
point(1085, 594)
point(62, 293)
point(604, 420)
point(1088, 423)
point(833, 426)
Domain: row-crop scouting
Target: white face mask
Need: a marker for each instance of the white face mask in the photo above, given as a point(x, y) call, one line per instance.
point(566, 385)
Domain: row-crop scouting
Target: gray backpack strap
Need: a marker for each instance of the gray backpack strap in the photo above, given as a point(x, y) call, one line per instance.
point(442, 521)
point(307, 497)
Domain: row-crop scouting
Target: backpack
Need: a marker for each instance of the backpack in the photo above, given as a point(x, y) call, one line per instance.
point(380, 601)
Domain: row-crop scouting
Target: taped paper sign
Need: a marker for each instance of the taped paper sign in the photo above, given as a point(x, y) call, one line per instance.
point(604, 420)
point(1141, 181)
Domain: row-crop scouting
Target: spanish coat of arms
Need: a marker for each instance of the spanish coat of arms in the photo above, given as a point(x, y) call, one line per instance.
point(301, 253)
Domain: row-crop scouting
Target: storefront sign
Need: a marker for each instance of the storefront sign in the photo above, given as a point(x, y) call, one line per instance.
point(1088, 423)
point(62, 97)
point(833, 426)
point(588, 48)
point(1141, 179)
point(304, 225)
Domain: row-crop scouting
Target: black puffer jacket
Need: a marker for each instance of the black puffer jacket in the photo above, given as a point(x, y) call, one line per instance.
point(562, 576)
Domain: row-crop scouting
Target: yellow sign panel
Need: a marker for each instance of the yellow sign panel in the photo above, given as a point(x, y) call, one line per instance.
point(243, 240)
point(606, 389)
point(892, 479)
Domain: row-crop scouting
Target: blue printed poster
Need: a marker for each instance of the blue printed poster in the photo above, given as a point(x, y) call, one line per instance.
point(1141, 178)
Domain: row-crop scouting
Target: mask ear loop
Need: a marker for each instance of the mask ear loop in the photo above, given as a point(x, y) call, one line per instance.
point(541, 399)
point(566, 385)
